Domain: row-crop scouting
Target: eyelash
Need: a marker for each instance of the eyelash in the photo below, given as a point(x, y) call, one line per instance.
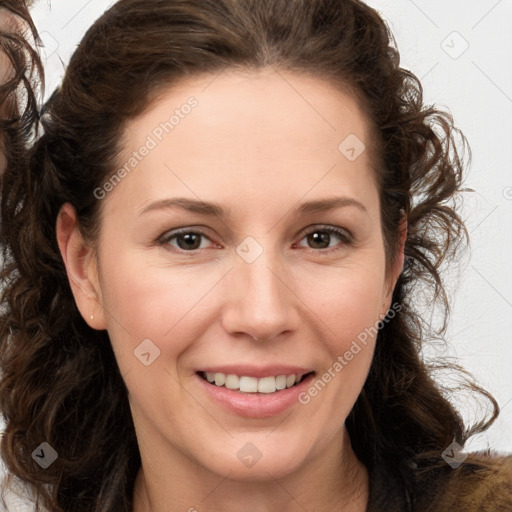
point(346, 238)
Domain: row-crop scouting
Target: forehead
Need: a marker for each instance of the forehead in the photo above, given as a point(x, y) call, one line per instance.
point(257, 105)
point(247, 129)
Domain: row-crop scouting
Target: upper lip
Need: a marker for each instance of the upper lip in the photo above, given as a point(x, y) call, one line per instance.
point(258, 372)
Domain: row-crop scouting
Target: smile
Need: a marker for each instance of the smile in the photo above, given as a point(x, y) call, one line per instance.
point(247, 384)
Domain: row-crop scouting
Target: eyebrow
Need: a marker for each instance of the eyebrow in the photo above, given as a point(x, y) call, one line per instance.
point(212, 209)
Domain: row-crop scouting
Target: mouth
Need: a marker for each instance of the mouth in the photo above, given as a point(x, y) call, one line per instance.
point(254, 391)
point(246, 384)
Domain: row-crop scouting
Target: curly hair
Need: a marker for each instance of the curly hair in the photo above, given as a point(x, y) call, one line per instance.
point(60, 381)
point(20, 68)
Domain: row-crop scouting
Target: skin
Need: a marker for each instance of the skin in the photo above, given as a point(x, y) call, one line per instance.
point(259, 147)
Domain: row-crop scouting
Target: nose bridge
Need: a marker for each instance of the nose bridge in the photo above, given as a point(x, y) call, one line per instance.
point(260, 304)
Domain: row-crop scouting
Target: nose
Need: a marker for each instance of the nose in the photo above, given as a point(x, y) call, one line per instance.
point(260, 300)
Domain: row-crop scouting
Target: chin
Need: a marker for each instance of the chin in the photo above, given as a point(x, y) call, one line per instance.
point(257, 460)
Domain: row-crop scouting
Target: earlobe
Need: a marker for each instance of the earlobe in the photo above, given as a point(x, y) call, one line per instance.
point(81, 267)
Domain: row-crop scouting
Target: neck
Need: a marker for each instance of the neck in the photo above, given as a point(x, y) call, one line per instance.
point(335, 480)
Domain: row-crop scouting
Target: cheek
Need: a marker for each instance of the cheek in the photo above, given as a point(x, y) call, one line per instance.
point(353, 336)
point(159, 304)
point(349, 310)
point(351, 302)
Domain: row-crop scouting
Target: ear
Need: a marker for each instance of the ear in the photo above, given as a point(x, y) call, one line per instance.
point(397, 265)
point(81, 267)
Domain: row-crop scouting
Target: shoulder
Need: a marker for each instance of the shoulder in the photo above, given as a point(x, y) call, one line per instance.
point(482, 483)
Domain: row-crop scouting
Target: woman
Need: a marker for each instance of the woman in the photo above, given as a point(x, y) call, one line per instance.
point(212, 258)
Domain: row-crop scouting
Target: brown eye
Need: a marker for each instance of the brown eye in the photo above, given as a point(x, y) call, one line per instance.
point(186, 240)
point(320, 238)
point(190, 241)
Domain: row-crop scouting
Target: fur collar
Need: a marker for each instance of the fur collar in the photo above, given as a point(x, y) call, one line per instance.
point(482, 483)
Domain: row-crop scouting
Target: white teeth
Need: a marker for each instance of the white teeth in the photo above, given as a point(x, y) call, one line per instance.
point(232, 382)
point(267, 385)
point(281, 382)
point(290, 381)
point(248, 384)
point(251, 384)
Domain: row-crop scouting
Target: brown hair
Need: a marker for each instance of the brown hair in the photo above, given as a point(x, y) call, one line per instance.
point(60, 381)
point(20, 67)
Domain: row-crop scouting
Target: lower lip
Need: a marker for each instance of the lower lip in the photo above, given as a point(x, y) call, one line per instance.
point(255, 405)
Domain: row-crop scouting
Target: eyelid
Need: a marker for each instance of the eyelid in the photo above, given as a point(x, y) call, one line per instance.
point(326, 227)
point(168, 235)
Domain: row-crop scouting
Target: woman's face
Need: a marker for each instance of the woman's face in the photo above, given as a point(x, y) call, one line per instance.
point(243, 238)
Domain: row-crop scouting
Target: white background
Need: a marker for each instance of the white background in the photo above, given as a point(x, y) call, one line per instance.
point(475, 85)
